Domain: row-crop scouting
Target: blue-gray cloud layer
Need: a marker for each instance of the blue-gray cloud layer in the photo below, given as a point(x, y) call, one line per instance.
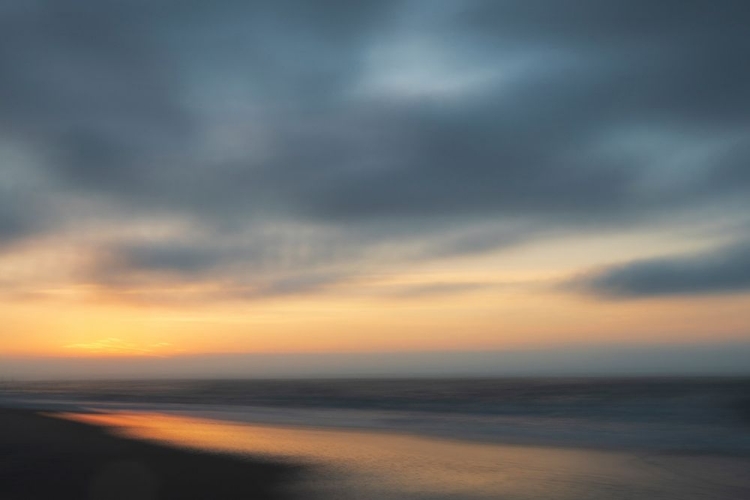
point(726, 269)
point(378, 121)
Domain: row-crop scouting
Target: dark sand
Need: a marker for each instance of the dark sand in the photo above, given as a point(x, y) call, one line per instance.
point(45, 457)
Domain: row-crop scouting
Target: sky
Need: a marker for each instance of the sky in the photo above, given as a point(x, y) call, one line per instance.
point(373, 180)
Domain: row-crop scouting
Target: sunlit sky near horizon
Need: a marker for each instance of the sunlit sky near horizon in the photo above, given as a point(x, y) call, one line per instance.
point(189, 178)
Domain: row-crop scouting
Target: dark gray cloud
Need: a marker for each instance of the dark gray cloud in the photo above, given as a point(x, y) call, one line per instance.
point(12, 228)
point(12, 225)
point(379, 122)
point(81, 80)
point(724, 270)
point(676, 59)
point(21, 214)
point(177, 259)
point(266, 266)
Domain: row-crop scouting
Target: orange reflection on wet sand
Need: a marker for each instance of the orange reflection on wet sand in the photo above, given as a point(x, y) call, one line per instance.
point(394, 466)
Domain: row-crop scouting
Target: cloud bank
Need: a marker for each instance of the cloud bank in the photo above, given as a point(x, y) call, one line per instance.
point(724, 270)
point(300, 142)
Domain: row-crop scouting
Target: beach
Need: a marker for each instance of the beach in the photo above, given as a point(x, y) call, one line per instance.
point(461, 439)
point(362, 464)
point(44, 457)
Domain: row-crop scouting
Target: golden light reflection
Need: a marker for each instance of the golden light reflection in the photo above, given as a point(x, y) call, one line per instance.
point(382, 465)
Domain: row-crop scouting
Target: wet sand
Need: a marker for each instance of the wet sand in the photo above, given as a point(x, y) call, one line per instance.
point(45, 457)
point(366, 465)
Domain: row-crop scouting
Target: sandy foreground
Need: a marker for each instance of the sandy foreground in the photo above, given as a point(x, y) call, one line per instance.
point(46, 457)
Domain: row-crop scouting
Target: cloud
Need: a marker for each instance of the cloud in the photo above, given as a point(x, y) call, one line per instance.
point(724, 270)
point(21, 215)
point(381, 130)
point(676, 60)
point(80, 81)
point(171, 259)
point(12, 225)
point(199, 269)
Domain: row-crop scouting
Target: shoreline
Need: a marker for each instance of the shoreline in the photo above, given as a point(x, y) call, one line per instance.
point(501, 430)
point(389, 466)
point(42, 456)
point(160, 456)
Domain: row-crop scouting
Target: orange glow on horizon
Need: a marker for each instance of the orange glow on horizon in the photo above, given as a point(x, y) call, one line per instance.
point(481, 319)
point(498, 301)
